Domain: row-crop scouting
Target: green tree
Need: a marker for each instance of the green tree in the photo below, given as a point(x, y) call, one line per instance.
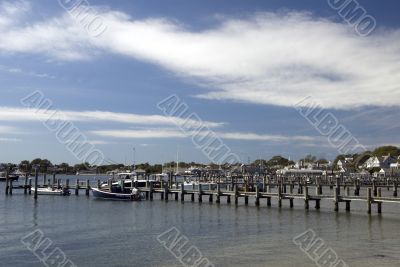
point(385, 150)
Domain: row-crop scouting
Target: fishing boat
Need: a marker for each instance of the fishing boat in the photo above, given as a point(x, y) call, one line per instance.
point(117, 193)
point(52, 191)
point(129, 179)
point(11, 177)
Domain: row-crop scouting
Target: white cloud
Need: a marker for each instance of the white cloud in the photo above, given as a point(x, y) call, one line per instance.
point(266, 59)
point(26, 114)
point(170, 133)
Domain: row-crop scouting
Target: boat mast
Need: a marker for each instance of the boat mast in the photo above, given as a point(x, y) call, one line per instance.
point(177, 160)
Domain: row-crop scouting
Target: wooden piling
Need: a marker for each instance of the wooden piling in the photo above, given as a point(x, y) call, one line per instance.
point(200, 194)
point(336, 194)
point(182, 192)
point(348, 205)
point(236, 194)
point(379, 204)
point(151, 190)
point(257, 202)
point(30, 186)
point(395, 188)
point(87, 191)
point(166, 190)
point(7, 183)
point(218, 194)
point(26, 184)
point(306, 198)
point(369, 200)
point(36, 182)
point(11, 187)
point(77, 187)
point(279, 194)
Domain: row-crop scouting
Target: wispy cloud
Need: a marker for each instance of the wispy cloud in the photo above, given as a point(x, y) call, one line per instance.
point(4, 129)
point(9, 140)
point(170, 133)
point(13, 70)
point(25, 114)
point(268, 58)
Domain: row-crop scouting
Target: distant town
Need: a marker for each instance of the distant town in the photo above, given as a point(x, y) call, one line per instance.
point(382, 162)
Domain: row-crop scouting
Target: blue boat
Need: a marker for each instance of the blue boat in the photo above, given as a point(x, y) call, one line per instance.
point(116, 194)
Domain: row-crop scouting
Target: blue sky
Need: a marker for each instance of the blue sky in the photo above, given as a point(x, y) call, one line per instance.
point(241, 65)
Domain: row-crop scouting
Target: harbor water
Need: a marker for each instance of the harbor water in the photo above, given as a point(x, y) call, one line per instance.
point(109, 233)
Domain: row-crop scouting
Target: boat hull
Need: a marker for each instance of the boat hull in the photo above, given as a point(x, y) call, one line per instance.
point(51, 192)
point(101, 194)
point(10, 178)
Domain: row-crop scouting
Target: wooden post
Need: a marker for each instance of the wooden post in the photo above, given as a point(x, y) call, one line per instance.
point(58, 183)
point(257, 202)
point(374, 188)
point(317, 204)
point(369, 200)
point(77, 187)
point(306, 198)
point(210, 198)
point(182, 192)
point(7, 182)
point(166, 196)
point(218, 193)
point(30, 186)
point(246, 200)
point(67, 184)
point(151, 190)
point(26, 184)
point(394, 188)
point(228, 199)
point(336, 194)
point(200, 194)
point(176, 196)
point(98, 184)
point(36, 182)
point(11, 187)
point(379, 204)
point(54, 179)
point(279, 194)
point(348, 205)
point(236, 194)
point(87, 187)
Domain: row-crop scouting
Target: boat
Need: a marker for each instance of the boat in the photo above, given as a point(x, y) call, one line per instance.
point(11, 177)
point(52, 191)
point(130, 179)
point(117, 194)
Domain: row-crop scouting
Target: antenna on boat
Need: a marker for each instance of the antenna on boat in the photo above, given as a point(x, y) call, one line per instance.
point(177, 159)
point(134, 158)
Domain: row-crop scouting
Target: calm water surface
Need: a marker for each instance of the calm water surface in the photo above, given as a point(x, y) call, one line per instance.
point(106, 233)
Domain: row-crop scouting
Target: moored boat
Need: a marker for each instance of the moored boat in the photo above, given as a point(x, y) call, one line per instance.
point(52, 191)
point(117, 194)
point(11, 177)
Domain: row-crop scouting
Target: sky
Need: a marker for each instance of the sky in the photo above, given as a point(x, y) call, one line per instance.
point(242, 67)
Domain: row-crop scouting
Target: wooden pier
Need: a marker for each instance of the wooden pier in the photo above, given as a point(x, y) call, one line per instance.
point(284, 190)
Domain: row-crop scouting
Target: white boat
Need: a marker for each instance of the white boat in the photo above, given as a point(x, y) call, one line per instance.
point(51, 191)
point(129, 179)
